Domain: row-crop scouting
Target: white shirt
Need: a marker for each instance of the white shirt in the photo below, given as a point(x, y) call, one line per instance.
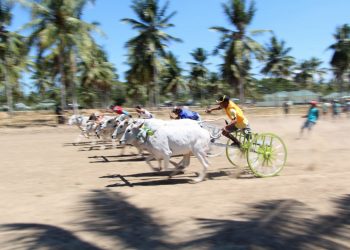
point(145, 114)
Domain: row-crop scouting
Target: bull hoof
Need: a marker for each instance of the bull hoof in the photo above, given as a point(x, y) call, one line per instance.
point(196, 180)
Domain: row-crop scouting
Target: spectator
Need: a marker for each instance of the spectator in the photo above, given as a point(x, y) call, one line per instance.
point(335, 108)
point(286, 106)
point(311, 117)
point(59, 113)
point(325, 106)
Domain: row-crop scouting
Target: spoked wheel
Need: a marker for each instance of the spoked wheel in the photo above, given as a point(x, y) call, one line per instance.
point(237, 156)
point(267, 155)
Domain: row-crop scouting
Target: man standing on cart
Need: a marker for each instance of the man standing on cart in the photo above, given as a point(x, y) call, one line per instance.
point(236, 116)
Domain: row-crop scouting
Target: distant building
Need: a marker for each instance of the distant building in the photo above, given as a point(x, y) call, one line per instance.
point(336, 95)
point(295, 97)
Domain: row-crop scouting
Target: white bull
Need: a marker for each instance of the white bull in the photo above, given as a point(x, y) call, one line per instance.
point(154, 123)
point(108, 126)
point(81, 122)
point(179, 137)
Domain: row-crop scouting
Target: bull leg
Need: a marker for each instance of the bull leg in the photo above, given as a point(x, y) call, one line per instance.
point(79, 137)
point(122, 150)
point(166, 159)
point(179, 167)
point(148, 161)
point(114, 143)
point(201, 156)
point(140, 151)
point(94, 141)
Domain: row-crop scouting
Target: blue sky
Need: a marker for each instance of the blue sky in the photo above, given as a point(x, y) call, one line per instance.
point(307, 26)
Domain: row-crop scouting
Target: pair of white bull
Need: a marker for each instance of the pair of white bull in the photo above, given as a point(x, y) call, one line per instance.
point(163, 139)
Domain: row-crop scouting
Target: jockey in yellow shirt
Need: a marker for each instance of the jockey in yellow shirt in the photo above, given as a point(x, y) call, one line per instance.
point(236, 116)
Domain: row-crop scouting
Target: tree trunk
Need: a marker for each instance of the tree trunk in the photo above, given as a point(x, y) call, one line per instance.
point(201, 92)
point(150, 95)
point(156, 85)
point(8, 91)
point(63, 77)
point(241, 90)
point(73, 69)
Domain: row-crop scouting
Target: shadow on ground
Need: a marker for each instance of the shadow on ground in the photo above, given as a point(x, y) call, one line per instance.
point(40, 236)
point(274, 224)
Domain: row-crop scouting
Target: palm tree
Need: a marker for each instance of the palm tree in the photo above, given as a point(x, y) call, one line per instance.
point(171, 76)
point(341, 57)
point(57, 27)
point(149, 45)
point(238, 47)
point(199, 72)
point(216, 85)
point(12, 53)
point(307, 70)
point(98, 73)
point(278, 63)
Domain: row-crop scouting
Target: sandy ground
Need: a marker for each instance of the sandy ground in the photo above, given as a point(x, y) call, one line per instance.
point(55, 196)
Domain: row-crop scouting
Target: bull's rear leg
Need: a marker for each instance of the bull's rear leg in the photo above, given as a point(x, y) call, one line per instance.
point(201, 156)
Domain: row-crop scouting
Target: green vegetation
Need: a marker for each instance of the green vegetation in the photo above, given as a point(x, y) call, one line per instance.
point(67, 66)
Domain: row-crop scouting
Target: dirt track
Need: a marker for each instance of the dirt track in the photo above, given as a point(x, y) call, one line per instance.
point(53, 196)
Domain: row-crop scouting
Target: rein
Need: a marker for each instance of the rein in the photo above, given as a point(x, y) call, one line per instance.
point(147, 131)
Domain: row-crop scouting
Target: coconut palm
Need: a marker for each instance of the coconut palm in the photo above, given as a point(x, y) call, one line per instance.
point(237, 46)
point(216, 85)
point(308, 70)
point(171, 76)
point(199, 72)
point(12, 53)
point(57, 27)
point(150, 43)
point(341, 57)
point(278, 62)
point(98, 73)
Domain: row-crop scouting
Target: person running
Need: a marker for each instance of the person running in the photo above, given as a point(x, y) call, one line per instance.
point(181, 113)
point(143, 113)
point(236, 116)
point(311, 117)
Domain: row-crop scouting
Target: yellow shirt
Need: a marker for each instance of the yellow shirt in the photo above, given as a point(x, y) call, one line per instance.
point(234, 112)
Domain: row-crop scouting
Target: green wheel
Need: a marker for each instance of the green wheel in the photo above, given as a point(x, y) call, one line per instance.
point(267, 155)
point(235, 155)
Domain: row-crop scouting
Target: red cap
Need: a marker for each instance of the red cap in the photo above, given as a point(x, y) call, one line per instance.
point(313, 103)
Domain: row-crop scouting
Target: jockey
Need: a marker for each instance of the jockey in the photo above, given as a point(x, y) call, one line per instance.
point(182, 113)
point(143, 113)
point(118, 109)
point(236, 116)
